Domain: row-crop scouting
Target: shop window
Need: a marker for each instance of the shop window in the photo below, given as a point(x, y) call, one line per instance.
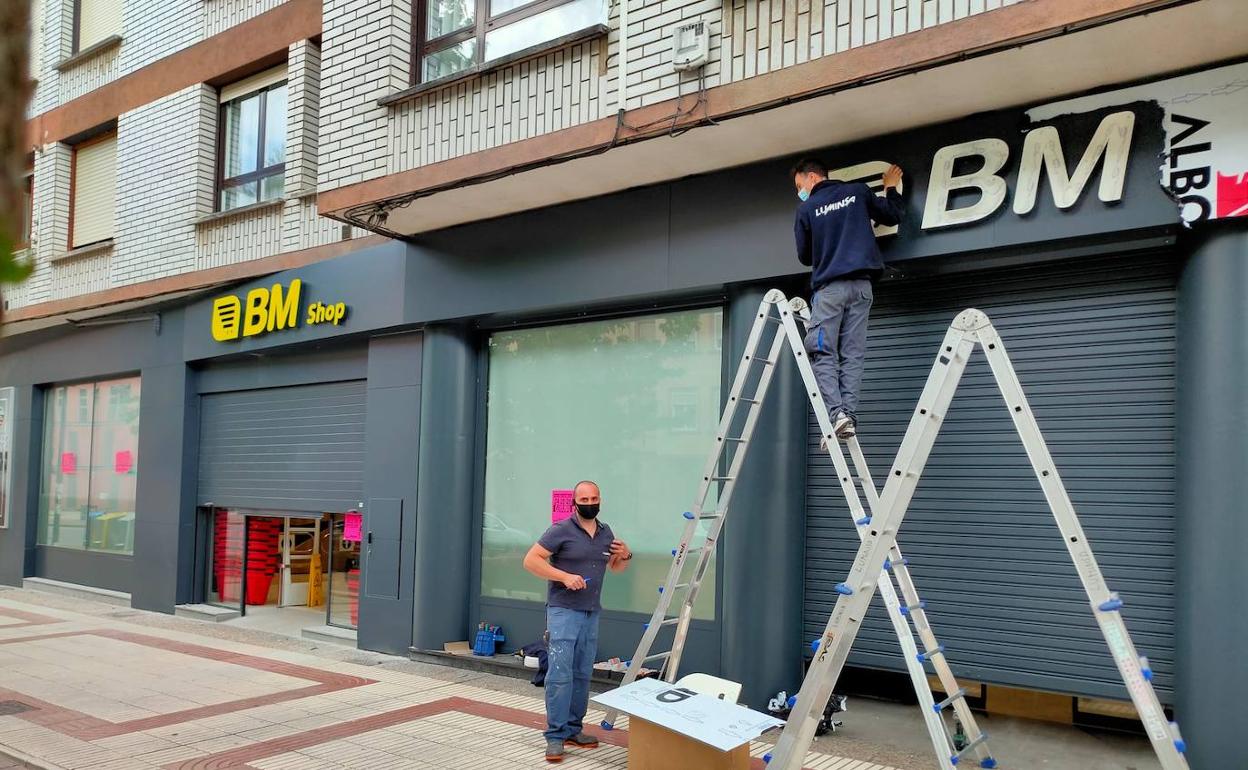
point(455, 35)
point(90, 466)
point(632, 403)
point(252, 145)
point(95, 21)
point(94, 185)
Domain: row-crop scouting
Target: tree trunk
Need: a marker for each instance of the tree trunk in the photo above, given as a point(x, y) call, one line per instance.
point(14, 97)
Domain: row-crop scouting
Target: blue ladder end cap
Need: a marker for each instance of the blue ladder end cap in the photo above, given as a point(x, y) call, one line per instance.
point(936, 707)
point(1180, 746)
point(864, 521)
point(844, 589)
point(814, 646)
point(673, 552)
point(606, 725)
point(953, 760)
point(1113, 605)
point(791, 701)
point(888, 564)
point(989, 762)
point(767, 759)
point(645, 626)
point(688, 515)
point(1147, 673)
point(660, 589)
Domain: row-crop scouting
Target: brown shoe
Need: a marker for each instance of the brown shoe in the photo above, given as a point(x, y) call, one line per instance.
point(554, 750)
point(582, 741)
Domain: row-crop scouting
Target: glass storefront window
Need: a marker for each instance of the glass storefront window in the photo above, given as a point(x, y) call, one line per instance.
point(344, 574)
point(90, 466)
point(632, 403)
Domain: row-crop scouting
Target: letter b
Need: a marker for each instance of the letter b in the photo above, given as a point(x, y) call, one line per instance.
point(257, 312)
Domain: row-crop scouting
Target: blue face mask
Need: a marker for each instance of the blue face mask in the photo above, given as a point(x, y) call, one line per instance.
point(803, 195)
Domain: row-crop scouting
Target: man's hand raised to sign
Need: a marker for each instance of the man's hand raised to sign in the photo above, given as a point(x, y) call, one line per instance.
point(892, 177)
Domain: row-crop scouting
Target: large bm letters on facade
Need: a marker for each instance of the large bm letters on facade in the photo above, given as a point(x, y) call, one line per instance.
point(266, 310)
point(1042, 151)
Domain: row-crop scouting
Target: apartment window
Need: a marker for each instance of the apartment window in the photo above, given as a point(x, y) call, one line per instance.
point(95, 21)
point(454, 35)
point(94, 198)
point(90, 466)
point(252, 146)
point(28, 199)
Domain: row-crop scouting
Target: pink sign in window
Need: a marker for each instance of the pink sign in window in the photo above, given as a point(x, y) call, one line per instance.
point(352, 525)
point(123, 461)
point(560, 505)
point(69, 462)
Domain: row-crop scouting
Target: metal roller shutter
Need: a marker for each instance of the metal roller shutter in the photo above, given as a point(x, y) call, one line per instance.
point(289, 449)
point(1093, 342)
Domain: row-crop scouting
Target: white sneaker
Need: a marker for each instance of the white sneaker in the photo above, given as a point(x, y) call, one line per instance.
point(843, 426)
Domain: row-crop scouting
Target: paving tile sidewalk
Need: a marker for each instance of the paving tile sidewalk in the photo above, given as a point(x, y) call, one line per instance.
point(84, 687)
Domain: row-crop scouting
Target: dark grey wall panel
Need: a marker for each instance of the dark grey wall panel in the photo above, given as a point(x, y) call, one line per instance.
point(761, 562)
point(87, 568)
point(298, 448)
point(444, 588)
point(1213, 488)
point(298, 366)
point(390, 475)
point(1093, 342)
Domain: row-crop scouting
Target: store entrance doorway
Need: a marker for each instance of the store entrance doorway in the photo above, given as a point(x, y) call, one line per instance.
point(284, 571)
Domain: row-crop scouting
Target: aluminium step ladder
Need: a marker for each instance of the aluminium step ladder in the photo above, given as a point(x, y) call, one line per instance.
point(776, 311)
point(969, 329)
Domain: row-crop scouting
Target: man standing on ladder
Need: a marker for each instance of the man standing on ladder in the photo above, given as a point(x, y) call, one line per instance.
point(574, 555)
point(835, 237)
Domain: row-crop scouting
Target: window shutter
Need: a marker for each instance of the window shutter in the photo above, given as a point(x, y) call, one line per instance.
point(252, 84)
point(95, 191)
point(97, 20)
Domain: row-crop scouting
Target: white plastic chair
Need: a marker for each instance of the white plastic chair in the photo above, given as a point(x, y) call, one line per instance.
point(705, 684)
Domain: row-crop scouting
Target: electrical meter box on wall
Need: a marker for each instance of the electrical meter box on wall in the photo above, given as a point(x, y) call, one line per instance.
point(691, 46)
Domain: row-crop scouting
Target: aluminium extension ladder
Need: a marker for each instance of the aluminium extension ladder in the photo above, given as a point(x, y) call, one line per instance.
point(730, 450)
point(969, 329)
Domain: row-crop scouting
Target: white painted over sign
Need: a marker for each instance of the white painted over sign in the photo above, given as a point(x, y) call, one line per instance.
point(701, 717)
point(1206, 163)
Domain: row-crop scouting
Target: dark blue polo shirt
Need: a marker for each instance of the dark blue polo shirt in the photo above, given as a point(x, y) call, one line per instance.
point(573, 550)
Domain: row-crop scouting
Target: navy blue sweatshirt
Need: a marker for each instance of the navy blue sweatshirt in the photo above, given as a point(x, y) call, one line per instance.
point(834, 234)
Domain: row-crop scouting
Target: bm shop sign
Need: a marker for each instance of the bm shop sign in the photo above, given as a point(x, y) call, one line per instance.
point(269, 309)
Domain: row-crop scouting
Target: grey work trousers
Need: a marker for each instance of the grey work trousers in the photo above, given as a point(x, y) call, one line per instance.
point(836, 340)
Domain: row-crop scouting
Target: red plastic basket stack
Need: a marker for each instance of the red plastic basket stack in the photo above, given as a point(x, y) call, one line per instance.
point(262, 557)
point(353, 594)
point(227, 567)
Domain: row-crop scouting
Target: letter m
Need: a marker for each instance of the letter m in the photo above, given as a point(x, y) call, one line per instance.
point(284, 310)
point(1042, 149)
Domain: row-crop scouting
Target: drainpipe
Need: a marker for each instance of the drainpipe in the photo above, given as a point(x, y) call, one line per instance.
point(622, 82)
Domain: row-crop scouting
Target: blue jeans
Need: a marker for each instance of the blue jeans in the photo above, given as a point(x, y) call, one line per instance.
point(571, 649)
point(836, 340)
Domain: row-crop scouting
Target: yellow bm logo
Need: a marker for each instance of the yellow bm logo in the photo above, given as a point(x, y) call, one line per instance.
point(265, 310)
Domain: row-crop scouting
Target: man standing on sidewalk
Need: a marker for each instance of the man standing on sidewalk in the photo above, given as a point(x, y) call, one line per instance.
point(574, 555)
point(835, 237)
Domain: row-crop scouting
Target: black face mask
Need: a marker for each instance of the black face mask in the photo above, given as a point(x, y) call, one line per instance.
point(588, 511)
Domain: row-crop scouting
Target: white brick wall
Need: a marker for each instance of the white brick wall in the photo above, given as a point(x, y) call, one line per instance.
point(220, 15)
point(152, 30)
point(354, 134)
point(566, 88)
point(50, 215)
point(303, 99)
point(159, 187)
point(167, 155)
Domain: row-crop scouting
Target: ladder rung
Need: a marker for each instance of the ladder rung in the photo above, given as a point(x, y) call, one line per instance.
point(763, 361)
point(947, 702)
point(983, 738)
point(691, 551)
point(926, 656)
point(907, 609)
point(667, 622)
point(745, 400)
point(657, 656)
point(736, 439)
point(722, 478)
